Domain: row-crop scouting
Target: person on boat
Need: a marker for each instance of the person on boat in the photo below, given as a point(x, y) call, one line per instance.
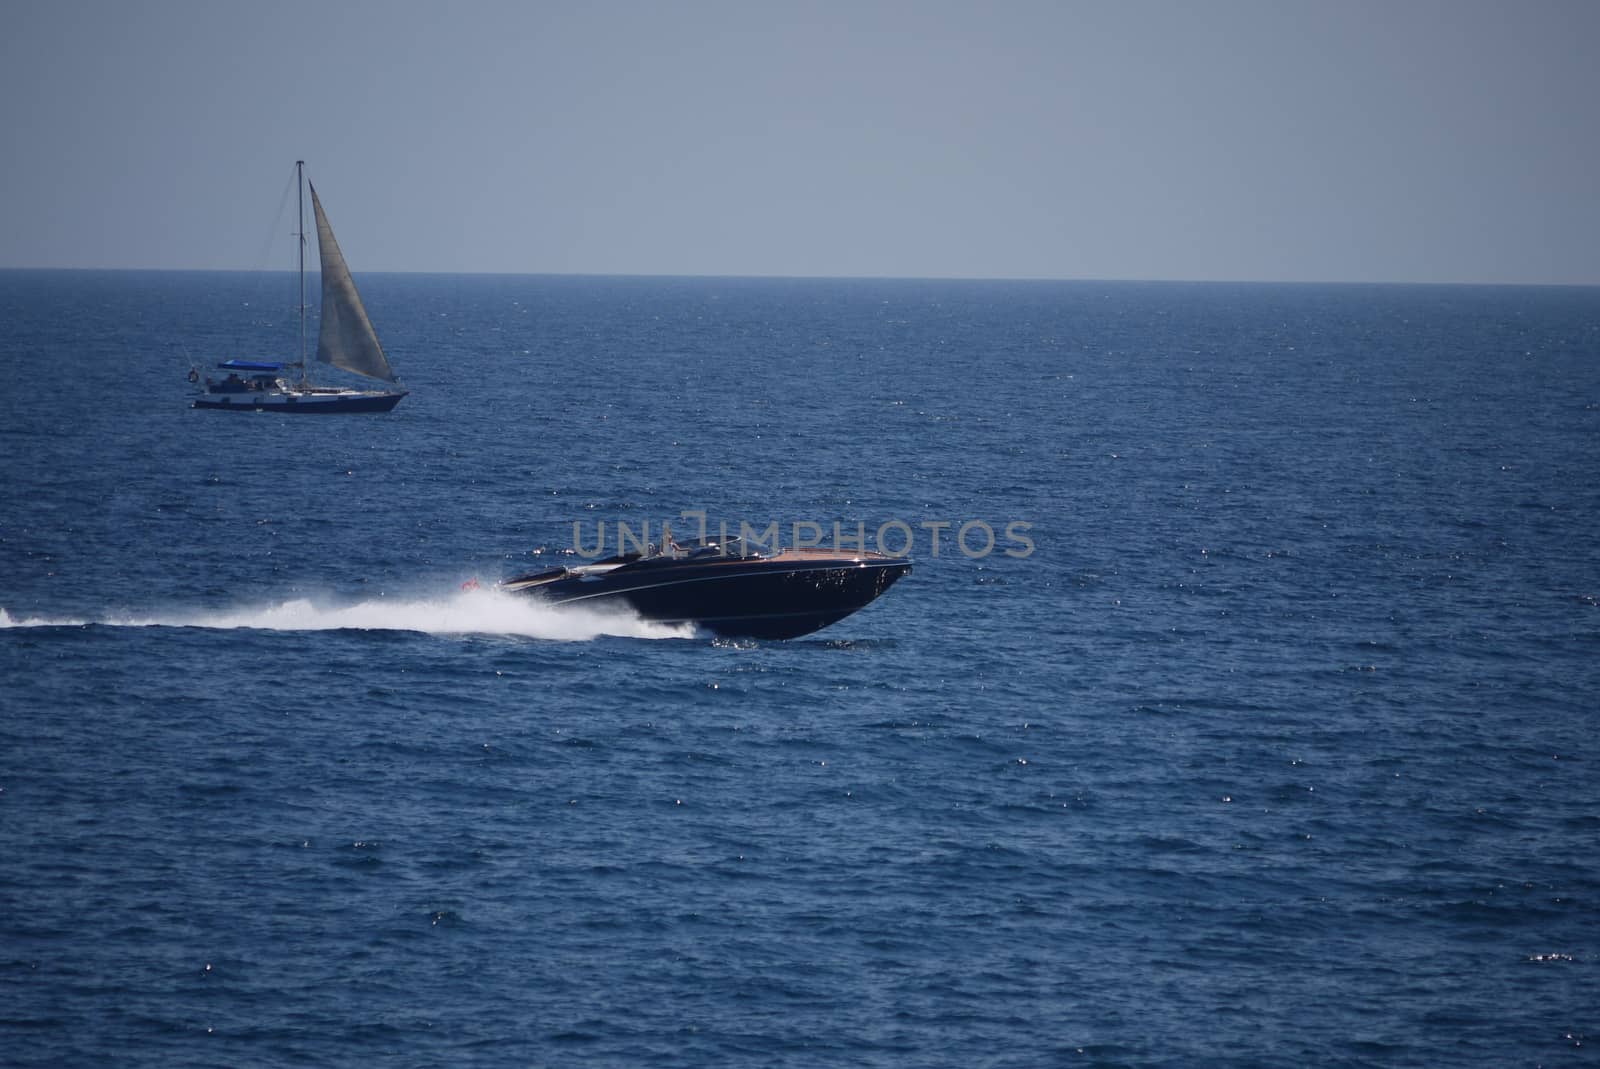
point(669, 547)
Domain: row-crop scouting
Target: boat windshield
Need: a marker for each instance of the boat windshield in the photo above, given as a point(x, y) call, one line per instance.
point(732, 547)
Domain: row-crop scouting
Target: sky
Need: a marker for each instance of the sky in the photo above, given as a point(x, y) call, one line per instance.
point(1249, 140)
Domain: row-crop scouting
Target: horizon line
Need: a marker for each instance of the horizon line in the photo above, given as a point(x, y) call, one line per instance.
point(1043, 279)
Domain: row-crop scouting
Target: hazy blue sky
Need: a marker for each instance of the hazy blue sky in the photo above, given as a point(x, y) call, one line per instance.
point(1409, 140)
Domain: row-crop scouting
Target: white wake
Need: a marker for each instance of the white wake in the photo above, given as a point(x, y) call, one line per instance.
point(483, 611)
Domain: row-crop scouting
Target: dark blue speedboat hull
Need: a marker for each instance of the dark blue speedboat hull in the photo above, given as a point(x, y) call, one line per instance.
point(783, 596)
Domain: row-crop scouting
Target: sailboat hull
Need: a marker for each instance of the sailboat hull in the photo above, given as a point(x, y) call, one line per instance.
point(310, 402)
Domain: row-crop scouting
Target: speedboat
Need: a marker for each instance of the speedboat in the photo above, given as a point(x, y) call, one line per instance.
point(724, 586)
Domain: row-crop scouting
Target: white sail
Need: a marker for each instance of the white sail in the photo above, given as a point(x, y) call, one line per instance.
point(347, 339)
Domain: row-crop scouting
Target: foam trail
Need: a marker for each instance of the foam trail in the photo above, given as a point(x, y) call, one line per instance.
point(475, 612)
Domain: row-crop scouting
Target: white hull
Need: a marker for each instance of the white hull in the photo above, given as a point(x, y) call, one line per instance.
point(309, 400)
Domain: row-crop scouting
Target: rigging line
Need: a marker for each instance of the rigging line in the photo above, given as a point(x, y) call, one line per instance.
point(260, 268)
point(261, 260)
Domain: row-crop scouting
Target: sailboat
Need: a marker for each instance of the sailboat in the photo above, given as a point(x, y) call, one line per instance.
point(345, 339)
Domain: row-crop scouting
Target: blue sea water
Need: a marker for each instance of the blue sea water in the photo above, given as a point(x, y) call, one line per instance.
point(1278, 748)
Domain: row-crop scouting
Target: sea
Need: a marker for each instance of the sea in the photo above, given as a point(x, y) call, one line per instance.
point(1240, 710)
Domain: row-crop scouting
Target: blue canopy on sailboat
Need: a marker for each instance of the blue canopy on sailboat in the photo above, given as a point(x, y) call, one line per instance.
point(248, 365)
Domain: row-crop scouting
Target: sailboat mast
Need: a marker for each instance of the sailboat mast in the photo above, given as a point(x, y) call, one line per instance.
point(300, 208)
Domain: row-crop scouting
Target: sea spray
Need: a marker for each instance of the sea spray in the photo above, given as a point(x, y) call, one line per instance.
point(470, 611)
